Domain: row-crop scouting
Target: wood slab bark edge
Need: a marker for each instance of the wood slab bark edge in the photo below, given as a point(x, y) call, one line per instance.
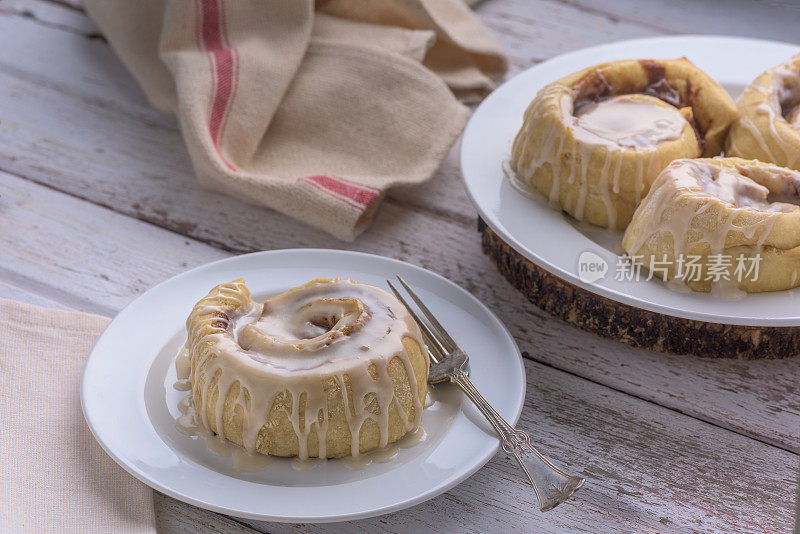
point(631, 325)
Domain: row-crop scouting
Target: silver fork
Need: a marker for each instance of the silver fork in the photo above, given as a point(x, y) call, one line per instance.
point(450, 363)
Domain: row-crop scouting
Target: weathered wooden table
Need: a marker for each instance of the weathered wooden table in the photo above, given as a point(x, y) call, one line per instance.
point(98, 203)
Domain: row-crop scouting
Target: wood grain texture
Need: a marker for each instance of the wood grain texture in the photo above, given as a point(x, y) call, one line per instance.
point(534, 30)
point(73, 120)
point(107, 206)
point(637, 454)
point(766, 19)
point(8, 290)
point(634, 326)
point(176, 517)
point(86, 262)
point(649, 469)
point(652, 477)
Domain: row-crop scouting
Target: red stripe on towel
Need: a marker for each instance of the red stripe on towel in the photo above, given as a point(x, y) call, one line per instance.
point(357, 195)
point(223, 61)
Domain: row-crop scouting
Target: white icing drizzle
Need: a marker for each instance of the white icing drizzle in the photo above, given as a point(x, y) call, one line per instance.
point(387, 453)
point(182, 385)
point(524, 188)
point(779, 86)
point(307, 464)
point(189, 424)
point(290, 345)
point(731, 187)
point(627, 122)
point(605, 195)
point(721, 183)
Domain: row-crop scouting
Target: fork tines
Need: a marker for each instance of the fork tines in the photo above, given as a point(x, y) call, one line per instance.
point(436, 336)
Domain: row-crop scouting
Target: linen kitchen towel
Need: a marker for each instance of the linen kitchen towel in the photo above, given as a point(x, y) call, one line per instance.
point(54, 476)
point(311, 110)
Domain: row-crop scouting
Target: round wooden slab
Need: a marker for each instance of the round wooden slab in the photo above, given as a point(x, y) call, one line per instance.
point(635, 326)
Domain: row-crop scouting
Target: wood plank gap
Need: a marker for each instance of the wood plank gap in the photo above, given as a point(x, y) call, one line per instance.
point(30, 15)
point(94, 202)
point(167, 124)
point(54, 293)
point(465, 221)
point(611, 17)
point(760, 439)
point(74, 5)
point(242, 523)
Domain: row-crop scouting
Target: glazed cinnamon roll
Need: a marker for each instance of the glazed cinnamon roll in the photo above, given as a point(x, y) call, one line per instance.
point(331, 368)
point(720, 223)
point(768, 127)
point(593, 142)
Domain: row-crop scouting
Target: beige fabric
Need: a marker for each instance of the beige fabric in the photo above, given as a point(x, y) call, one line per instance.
point(54, 477)
point(313, 114)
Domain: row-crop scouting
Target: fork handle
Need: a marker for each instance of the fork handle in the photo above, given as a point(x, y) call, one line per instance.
point(551, 484)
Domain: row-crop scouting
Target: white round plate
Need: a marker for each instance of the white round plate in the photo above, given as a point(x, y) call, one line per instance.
point(131, 406)
point(554, 242)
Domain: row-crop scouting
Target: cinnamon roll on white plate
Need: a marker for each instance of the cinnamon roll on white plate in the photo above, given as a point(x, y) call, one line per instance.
point(768, 127)
point(593, 142)
point(721, 223)
point(330, 368)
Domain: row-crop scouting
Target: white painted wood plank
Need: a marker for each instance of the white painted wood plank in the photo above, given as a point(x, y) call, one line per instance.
point(57, 14)
point(534, 30)
point(176, 517)
point(9, 290)
point(645, 462)
point(50, 59)
point(196, 520)
point(94, 72)
point(123, 158)
point(95, 266)
point(771, 19)
point(637, 473)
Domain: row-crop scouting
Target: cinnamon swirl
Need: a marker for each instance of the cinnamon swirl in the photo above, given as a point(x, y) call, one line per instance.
point(594, 141)
point(768, 127)
point(331, 368)
point(720, 223)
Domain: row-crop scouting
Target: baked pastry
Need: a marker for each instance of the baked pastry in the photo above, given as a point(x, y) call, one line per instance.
point(330, 368)
point(768, 127)
point(594, 141)
point(725, 224)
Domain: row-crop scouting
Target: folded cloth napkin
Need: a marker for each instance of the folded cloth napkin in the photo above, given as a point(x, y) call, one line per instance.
point(314, 113)
point(54, 477)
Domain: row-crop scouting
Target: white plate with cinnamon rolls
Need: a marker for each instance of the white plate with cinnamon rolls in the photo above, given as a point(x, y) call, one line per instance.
point(291, 386)
point(660, 173)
